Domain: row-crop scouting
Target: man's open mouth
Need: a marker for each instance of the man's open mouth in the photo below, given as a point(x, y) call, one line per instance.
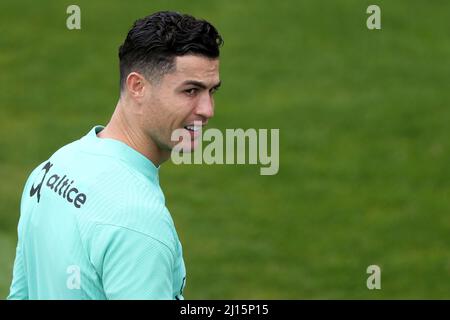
point(193, 128)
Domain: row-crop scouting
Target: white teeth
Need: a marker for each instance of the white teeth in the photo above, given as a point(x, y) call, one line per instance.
point(193, 128)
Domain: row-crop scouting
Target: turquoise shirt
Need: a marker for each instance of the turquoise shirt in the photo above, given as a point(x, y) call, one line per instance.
point(94, 225)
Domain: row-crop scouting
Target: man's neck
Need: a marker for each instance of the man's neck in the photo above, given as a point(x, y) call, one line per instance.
point(120, 128)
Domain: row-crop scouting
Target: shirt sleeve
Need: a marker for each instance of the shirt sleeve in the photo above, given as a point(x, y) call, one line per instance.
point(19, 285)
point(132, 265)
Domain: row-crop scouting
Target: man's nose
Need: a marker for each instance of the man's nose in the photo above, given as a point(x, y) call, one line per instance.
point(205, 108)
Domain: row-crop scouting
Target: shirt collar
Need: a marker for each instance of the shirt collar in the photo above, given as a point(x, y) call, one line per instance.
point(124, 152)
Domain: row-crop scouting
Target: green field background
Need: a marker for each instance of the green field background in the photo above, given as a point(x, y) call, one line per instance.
point(364, 140)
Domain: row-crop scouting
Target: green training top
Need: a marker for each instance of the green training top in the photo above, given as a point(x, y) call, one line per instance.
point(94, 225)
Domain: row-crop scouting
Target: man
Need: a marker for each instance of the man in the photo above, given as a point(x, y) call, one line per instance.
point(93, 223)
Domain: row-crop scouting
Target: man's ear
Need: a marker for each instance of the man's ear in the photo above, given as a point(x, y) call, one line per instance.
point(136, 85)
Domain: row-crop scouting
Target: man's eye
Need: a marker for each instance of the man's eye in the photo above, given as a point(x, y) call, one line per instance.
point(191, 91)
point(213, 90)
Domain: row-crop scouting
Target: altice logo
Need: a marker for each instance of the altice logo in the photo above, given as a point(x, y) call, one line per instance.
point(60, 185)
point(235, 143)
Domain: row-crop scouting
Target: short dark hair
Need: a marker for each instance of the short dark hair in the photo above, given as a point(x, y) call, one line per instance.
point(154, 41)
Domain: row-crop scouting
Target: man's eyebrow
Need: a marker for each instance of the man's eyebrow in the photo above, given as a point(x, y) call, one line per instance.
point(201, 84)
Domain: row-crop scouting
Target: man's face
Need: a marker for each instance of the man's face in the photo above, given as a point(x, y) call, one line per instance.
point(179, 99)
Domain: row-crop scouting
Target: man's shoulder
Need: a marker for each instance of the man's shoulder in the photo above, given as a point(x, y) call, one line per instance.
point(151, 220)
point(109, 192)
point(94, 170)
point(106, 178)
point(122, 198)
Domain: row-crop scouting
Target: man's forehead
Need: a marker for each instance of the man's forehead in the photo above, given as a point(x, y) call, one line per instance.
point(197, 67)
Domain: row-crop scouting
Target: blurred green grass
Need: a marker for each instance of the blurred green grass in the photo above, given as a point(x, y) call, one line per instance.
point(364, 140)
